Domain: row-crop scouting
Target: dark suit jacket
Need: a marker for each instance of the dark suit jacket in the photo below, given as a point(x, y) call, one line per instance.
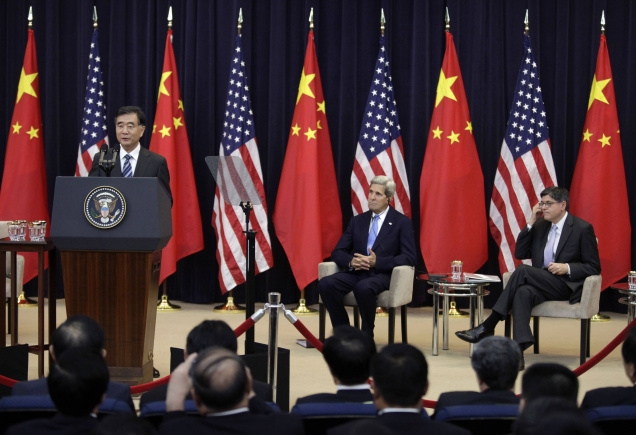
point(39, 387)
point(577, 247)
point(487, 397)
point(394, 246)
point(149, 164)
point(609, 396)
point(59, 424)
point(357, 396)
point(405, 423)
point(262, 390)
point(243, 423)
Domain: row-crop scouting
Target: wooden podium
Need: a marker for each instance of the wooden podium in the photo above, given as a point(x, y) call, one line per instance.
point(111, 273)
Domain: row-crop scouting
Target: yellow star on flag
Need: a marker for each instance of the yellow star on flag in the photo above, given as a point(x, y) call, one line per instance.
point(587, 135)
point(444, 88)
point(165, 131)
point(162, 85)
point(311, 134)
point(33, 132)
point(26, 85)
point(321, 107)
point(181, 105)
point(154, 128)
point(318, 124)
point(303, 87)
point(437, 133)
point(605, 140)
point(295, 130)
point(454, 137)
point(597, 91)
point(16, 127)
point(177, 123)
point(469, 127)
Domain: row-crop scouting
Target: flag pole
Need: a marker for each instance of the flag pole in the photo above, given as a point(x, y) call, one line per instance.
point(598, 317)
point(302, 308)
point(230, 307)
point(23, 301)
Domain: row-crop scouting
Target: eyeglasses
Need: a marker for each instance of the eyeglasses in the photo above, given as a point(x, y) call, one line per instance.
point(546, 204)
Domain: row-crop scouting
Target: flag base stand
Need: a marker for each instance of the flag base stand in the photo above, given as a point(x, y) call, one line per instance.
point(164, 304)
point(302, 309)
point(380, 312)
point(24, 302)
point(229, 307)
point(454, 312)
point(598, 317)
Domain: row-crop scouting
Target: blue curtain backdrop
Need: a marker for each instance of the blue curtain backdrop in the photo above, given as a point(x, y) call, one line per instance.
point(488, 35)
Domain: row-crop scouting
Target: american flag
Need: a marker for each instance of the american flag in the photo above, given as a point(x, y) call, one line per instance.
point(228, 220)
point(94, 132)
point(380, 150)
point(525, 166)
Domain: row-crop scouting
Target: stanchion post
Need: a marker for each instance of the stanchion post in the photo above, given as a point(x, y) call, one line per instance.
point(272, 358)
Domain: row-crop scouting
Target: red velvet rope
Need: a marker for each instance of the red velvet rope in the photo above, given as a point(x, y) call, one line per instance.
point(240, 330)
point(308, 335)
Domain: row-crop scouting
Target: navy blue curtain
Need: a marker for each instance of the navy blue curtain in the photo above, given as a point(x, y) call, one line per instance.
point(488, 35)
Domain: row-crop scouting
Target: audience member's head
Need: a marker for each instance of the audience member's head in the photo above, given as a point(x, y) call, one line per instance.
point(124, 423)
point(548, 380)
point(400, 376)
point(552, 415)
point(629, 354)
point(220, 381)
point(78, 332)
point(496, 362)
point(211, 333)
point(78, 381)
point(348, 354)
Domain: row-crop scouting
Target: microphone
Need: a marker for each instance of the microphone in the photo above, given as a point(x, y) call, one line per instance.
point(115, 151)
point(102, 154)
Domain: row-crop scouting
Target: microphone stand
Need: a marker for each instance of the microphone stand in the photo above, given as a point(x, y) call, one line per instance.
point(108, 164)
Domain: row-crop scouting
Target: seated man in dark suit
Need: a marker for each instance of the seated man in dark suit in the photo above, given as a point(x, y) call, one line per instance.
point(206, 334)
point(564, 252)
point(75, 332)
point(220, 385)
point(372, 245)
point(77, 383)
point(348, 353)
point(399, 375)
point(614, 396)
point(496, 363)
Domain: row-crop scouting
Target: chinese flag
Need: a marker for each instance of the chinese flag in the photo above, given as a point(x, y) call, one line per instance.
point(452, 184)
point(23, 194)
point(170, 139)
point(598, 192)
point(307, 214)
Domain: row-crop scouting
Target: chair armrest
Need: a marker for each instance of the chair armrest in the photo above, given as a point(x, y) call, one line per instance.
point(504, 279)
point(327, 268)
point(591, 295)
point(401, 287)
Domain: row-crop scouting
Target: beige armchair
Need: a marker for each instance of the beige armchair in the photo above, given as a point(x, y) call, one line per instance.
point(399, 294)
point(584, 310)
point(4, 232)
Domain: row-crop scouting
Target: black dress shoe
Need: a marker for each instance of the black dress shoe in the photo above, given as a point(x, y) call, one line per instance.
point(155, 373)
point(474, 335)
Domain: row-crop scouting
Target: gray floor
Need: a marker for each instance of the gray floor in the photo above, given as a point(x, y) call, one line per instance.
point(448, 371)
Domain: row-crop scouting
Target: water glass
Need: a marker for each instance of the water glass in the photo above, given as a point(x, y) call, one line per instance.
point(37, 231)
point(631, 280)
point(456, 270)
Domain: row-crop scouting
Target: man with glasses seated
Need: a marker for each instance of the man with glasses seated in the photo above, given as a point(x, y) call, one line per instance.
point(564, 252)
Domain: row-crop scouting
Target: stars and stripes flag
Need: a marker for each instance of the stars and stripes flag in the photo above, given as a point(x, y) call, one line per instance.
point(23, 192)
point(380, 150)
point(239, 139)
point(94, 131)
point(525, 165)
point(599, 175)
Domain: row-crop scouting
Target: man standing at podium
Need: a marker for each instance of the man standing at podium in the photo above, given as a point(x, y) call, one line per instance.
point(132, 159)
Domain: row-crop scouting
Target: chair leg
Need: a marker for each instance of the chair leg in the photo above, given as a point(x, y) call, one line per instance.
point(507, 322)
point(391, 325)
point(584, 339)
point(589, 333)
point(403, 320)
point(356, 317)
point(322, 313)
point(535, 332)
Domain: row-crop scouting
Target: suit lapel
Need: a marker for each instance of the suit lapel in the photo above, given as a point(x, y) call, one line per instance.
point(387, 227)
point(565, 234)
point(142, 163)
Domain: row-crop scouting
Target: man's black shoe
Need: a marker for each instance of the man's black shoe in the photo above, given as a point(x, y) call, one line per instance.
point(474, 335)
point(155, 373)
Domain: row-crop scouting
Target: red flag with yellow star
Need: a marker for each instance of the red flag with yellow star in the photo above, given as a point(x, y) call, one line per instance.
point(452, 200)
point(598, 192)
point(23, 194)
point(307, 215)
point(170, 139)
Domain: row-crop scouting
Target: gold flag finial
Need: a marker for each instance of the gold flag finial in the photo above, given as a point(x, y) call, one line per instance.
point(603, 22)
point(447, 20)
point(30, 16)
point(239, 25)
point(311, 19)
point(170, 17)
point(382, 21)
point(95, 17)
point(526, 23)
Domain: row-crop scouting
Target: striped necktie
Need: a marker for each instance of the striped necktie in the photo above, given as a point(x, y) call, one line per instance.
point(373, 233)
point(127, 166)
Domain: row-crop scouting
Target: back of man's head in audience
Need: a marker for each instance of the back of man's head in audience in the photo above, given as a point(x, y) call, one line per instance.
point(76, 332)
point(211, 333)
point(348, 354)
point(220, 380)
point(552, 415)
point(548, 379)
point(629, 354)
point(496, 362)
point(78, 381)
point(400, 376)
point(123, 423)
